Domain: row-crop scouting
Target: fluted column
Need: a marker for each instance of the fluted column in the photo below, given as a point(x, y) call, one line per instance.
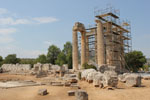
point(83, 48)
point(75, 50)
point(100, 43)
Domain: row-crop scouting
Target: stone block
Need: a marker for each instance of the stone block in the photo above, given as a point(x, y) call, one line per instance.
point(85, 73)
point(42, 92)
point(57, 84)
point(133, 80)
point(81, 95)
point(71, 93)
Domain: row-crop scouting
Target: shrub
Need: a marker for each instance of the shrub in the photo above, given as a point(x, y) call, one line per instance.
point(87, 66)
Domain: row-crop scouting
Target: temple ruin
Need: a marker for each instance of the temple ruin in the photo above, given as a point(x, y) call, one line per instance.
point(106, 42)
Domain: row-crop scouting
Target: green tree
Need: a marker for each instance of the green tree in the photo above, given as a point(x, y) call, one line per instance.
point(53, 52)
point(135, 60)
point(61, 59)
point(68, 53)
point(42, 59)
point(11, 59)
point(1, 61)
point(28, 61)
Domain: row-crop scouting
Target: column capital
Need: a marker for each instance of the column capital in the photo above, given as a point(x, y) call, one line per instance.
point(98, 21)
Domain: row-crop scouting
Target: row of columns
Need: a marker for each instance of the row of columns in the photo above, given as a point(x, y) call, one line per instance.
point(75, 49)
point(100, 46)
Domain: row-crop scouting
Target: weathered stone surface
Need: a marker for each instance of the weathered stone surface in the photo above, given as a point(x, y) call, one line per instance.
point(100, 43)
point(72, 80)
point(78, 27)
point(121, 78)
point(91, 76)
point(71, 93)
point(16, 67)
point(85, 73)
point(42, 92)
point(57, 84)
point(105, 67)
point(46, 67)
point(97, 80)
point(133, 80)
point(41, 67)
point(70, 75)
point(65, 67)
point(146, 77)
point(102, 68)
point(81, 95)
point(41, 74)
point(67, 84)
point(110, 79)
point(56, 68)
point(37, 67)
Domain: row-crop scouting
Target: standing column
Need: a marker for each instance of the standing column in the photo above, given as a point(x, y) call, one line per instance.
point(83, 48)
point(75, 50)
point(100, 44)
point(109, 45)
point(87, 49)
point(96, 46)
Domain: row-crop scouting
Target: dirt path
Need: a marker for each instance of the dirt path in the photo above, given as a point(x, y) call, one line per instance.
point(60, 93)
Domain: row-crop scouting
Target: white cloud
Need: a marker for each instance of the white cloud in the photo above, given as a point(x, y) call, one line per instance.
point(12, 21)
point(18, 21)
point(21, 21)
point(42, 20)
point(5, 35)
point(47, 43)
point(6, 21)
point(3, 11)
point(7, 31)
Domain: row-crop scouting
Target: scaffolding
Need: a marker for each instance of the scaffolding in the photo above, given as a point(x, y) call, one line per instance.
point(117, 37)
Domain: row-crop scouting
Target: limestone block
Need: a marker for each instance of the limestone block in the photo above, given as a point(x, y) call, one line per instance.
point(42, 92)
point(16, 67)
point(73, 80)
point(133, 80)
point(85, 73)
point(71, 93)
point(102, 68)
point(81, 95)
point(98, 80)
point(110, 79)
point(56, 68)
point(41, 74)
point(46, 67)
point(91, 76)
point(57, 84)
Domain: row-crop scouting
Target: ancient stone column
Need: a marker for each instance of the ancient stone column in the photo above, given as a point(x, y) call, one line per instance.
point(110, 45)
point(96, 47)
point(75, 50)
point(100, 43)
point(87, 49)
point(83, 48)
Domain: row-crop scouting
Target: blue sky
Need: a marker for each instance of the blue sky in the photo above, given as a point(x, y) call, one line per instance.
point(28, 27)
